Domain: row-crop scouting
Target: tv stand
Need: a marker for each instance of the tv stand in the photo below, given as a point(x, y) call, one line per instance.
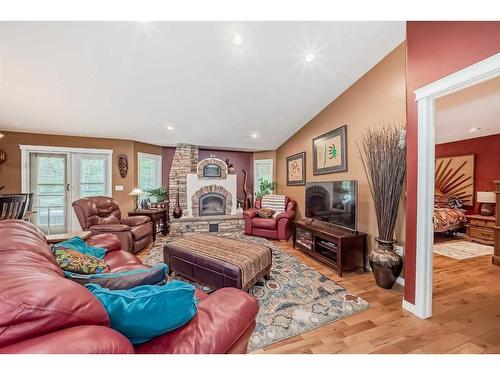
point(341, 249)
point(328, 226)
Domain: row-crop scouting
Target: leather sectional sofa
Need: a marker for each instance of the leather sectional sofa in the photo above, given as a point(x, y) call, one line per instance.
point(102, 215)
point(42, 312)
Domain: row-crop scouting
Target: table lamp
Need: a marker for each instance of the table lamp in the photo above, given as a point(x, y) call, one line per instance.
point(486, 198)
point(135, 193)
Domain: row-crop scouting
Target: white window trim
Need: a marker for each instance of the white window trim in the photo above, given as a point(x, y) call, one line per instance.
point(255, 164)
point(426, 96)
point(26, 149)
point(150, 156)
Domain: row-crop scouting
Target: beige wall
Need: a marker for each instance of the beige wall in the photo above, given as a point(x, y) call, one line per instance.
point(10, 170)
point(380, 95)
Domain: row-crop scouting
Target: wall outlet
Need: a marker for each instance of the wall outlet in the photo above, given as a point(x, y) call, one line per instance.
point(118, 187)
point(399, 250)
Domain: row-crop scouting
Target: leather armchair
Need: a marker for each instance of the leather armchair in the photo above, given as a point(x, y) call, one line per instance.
point(278, 228)
point(103, 215)
point(43, 312)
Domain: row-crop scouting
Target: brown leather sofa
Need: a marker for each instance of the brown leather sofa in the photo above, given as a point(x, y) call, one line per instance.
point(43, 312)
point(102, 215)
point(276, 228)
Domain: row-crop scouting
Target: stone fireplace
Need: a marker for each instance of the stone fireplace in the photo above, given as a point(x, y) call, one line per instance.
point(207, 194)
point(212, 204)
point(211, 191)
point(211, 200)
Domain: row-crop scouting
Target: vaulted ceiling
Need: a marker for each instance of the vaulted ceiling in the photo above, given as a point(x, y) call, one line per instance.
point(235, 85)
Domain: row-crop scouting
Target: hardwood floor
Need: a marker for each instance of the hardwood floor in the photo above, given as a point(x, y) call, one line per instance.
point(466, 308)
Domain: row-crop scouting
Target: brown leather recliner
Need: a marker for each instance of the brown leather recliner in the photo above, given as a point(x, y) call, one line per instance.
point(102, 215)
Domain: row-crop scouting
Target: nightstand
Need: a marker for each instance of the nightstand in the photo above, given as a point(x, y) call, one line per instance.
point(480, 229)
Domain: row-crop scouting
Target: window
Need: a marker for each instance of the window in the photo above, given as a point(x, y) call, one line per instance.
point(262, 169)
point(150, 176)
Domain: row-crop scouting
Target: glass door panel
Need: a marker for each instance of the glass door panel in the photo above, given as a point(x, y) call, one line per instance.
point(48, 182)
point(89, 175)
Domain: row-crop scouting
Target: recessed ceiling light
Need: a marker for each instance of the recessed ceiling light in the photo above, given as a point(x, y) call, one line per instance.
point(170, 127)
point(309, 57)
point(474, 129)
point(237, 39)
point(254, 135)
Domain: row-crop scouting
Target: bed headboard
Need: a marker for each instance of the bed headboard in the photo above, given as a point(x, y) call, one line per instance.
point(454, 176)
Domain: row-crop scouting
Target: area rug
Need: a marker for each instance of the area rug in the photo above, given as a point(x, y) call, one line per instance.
point(295, 300)
point(462, 249)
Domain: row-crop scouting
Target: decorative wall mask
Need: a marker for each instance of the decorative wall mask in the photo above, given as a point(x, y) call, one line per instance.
point(123, 165)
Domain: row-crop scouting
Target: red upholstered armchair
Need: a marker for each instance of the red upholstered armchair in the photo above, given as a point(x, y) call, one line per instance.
point(103, 215)
point(277, 228)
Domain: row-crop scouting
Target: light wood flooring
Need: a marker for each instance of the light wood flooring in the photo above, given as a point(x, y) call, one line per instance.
point(466, 308)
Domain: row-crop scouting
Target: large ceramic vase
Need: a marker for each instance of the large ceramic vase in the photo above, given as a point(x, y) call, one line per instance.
point(386, 264)
point(177, 212)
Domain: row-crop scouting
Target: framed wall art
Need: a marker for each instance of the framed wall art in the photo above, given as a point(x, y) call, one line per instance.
point(330, 152)
point(296, 169)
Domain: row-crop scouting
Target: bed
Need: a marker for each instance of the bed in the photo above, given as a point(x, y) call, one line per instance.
point(448, 219)
point(454, 188)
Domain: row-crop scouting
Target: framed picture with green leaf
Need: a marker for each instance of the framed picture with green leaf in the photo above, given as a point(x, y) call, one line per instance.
point(330, 152)
point(296, 169)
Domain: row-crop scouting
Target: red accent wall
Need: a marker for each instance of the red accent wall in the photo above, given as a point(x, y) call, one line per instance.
point(167, 155)
point(240, 159)
point(486, 164)
point(435, 50)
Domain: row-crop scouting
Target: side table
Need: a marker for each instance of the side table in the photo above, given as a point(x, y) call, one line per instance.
point(157, 216)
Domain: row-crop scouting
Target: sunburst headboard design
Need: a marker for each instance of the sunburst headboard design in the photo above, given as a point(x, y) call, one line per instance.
point(454, 176)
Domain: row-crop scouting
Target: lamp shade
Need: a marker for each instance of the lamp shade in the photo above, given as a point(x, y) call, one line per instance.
point(136, 192)
point(486, 197)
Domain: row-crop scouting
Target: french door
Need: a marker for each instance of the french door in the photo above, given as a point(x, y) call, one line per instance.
point(57, 178)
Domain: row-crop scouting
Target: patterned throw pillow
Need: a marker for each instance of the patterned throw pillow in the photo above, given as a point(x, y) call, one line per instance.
point(74, 261)
point(265, 213)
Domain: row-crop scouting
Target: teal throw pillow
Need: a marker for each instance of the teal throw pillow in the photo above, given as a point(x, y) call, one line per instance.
point(147, 311)
point(76, 243)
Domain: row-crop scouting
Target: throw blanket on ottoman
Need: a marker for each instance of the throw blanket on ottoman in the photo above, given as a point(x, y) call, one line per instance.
point(202, 257)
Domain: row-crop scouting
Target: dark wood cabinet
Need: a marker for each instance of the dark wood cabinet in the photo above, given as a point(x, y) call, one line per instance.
point(340, 249)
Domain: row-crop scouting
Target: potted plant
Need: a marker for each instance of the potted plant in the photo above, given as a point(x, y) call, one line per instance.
point(159, 195)
point(265, 187)
point(383, 152)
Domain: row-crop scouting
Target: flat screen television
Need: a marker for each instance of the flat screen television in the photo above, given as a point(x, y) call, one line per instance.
point(334, 202)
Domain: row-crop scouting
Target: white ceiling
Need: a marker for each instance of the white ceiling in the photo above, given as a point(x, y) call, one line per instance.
point(477, 108)
point(131, 80)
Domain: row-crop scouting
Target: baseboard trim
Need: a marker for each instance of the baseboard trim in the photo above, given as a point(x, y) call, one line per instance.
point(409, 306)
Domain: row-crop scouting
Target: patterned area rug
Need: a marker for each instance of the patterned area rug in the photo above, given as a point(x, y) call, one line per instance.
point(295, 300)
point(462, 249)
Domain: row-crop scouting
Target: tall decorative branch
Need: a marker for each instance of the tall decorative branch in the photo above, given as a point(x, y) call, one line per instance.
point(383, 152)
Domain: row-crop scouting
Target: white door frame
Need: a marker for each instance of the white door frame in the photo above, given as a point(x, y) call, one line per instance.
point(426, 96)
point(25, 174)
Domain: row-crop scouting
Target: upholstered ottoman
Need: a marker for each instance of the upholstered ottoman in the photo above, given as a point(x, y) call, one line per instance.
point(217, 261)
